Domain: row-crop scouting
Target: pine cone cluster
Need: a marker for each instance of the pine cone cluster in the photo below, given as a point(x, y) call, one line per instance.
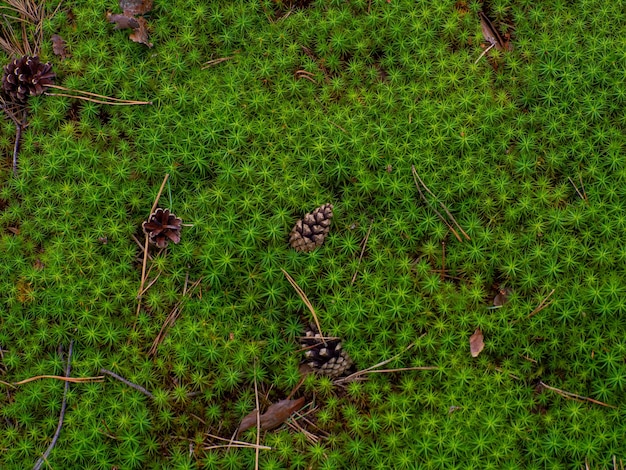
point(326, 358)
point(310, 232)
point(162, 227)
point(26, 76)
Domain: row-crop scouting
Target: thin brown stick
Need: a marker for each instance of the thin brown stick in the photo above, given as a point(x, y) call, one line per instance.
point(306, 301)
point(150, 284)
point(76, 380)
point(565, 394)
point(16, 147)
point(258, 425)
point(582, 185)
point(541, 306)
point(171, 318)
point(231, 442)
point(55, 438)
point(401, 369)
point(92, 100)
point(415, 177)
point(95, 95)
point(145, 248)
point(443, 206)
point(213, 62)
point(382, 363)
point(443, 260)
point(577, 190)
point(139, 388)
point(244, 445)
point(363, 244)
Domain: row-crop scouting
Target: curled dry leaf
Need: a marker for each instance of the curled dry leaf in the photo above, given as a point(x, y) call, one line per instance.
point(135, 7)
point(122, 21)
point(140, 35)
point(476, 343)
point(58, 46)
point(275, 415)
point(502, 297)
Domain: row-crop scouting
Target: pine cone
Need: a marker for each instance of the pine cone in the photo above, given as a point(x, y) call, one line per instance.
point(326, 358)
point(310, 232)
point(25, 77)
point(161, 227)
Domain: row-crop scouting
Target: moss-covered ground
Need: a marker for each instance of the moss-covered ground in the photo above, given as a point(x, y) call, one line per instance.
point(323, 101)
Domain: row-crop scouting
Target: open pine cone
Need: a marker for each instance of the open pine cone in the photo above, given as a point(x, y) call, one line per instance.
point(325, 358)
point(310, 232)
point(161, 227)
point(25, 77)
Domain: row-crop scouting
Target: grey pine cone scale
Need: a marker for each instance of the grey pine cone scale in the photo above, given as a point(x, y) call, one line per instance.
point(310, 231)
point(325, 358)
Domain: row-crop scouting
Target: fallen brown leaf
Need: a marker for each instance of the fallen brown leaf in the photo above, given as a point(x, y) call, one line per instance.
point(476, 343)
point(122, 21)
point(140, 34)
point(58, 46)
point(502, 297)
point(135, 7)
point(275, 415)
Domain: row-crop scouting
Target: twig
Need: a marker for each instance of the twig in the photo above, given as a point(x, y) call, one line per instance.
point(244, 445)
point(213, 62)
point(565, 394)
point(366, 371)
point(484, 52)
point(541, 306)
point(363, 244)
point(112, 101)
point(171, 318)
point(231, 442)
point(68, 369)
point(258, 425)
point(583, 197)
point(306, 301)
point(431, 206)
point(440, 203)
point(16, 147)
point(75, 380)
point(139, 388)
point(145, 251)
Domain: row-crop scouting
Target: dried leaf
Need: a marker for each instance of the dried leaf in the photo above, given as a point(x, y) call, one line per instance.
point(140, 35)
point(476, 343)
point(502, 297)
point(489, 32)
point(58, 46)
point(275, 415)
point(122, 21)
point(135, 7)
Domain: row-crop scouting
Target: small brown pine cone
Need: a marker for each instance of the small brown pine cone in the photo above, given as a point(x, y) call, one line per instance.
point(25, 77)
point(162, 227)
point(325, 358)
point(310, 232)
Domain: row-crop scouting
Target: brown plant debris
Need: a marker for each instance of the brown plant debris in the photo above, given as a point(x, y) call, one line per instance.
point(275, 415)
point(162, 227)
point(310, 231)
point(131, 19)
point(325, 355)
point(476, 343)
point(502, 297)
point(59, 47)
point(26, 76)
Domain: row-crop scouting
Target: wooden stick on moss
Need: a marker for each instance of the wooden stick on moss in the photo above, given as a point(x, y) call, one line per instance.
point(145, 251)
point(103, 99)
point(306, 301)
point(574, 396)
point(68, 369)
point(139, 388)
